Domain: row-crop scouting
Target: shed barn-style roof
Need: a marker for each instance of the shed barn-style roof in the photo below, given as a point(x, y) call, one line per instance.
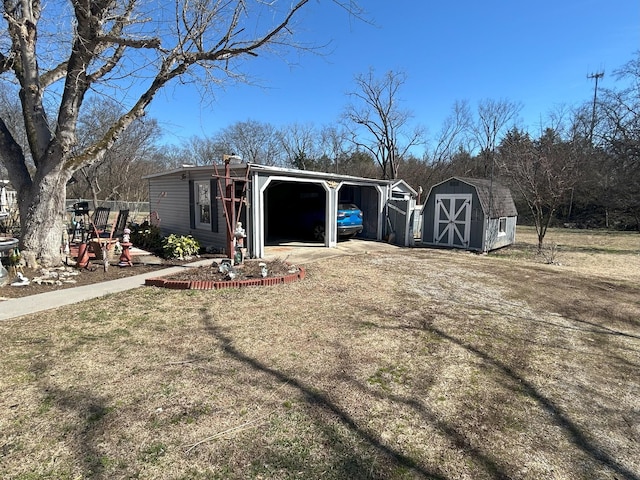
point(493, 193)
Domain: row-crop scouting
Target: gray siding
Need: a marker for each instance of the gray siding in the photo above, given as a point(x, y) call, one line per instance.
point(174, 209)
point(483, 233)
point(397, 214)
point(494, 239)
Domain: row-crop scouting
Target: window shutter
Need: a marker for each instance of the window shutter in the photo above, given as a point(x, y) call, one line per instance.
point(192, 206)
point(214, 205)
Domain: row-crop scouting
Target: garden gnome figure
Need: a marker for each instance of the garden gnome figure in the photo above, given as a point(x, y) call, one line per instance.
point(239, 236)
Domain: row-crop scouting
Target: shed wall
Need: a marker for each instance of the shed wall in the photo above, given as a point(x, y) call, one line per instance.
point(494, 239)
point(484, 235)
point(476, 233)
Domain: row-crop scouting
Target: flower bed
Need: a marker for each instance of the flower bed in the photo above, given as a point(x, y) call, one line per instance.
point(217, 284)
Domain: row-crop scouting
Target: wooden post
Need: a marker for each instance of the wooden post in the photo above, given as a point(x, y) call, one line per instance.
point(230, 209)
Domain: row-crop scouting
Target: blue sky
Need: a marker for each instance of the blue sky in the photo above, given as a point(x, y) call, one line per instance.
point(536, 53)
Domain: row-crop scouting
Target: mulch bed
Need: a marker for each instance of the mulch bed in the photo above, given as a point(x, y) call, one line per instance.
point(215, 276)
point(248, 273)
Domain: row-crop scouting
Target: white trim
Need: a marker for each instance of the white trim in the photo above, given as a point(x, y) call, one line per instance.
point(452, 220)
point(199, 225)
point(331, 232)
point(503, 232)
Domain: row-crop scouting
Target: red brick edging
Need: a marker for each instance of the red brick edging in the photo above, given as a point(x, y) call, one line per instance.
point(220, 284)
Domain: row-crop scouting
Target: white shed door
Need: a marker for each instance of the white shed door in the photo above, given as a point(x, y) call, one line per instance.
point(452, 220)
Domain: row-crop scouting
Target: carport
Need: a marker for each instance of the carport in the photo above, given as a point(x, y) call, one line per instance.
point(293, 210)
point(287, 204)
point(275, 205)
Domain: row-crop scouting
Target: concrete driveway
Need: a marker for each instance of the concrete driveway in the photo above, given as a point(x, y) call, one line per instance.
point(302, 253)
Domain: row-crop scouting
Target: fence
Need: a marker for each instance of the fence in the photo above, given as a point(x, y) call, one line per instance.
point(138, 211)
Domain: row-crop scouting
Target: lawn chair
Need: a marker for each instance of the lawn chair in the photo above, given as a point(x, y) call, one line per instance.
point(102, 242)
point(117, 229)
point(99, 222)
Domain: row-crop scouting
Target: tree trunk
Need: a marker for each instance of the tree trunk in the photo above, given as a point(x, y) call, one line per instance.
point(42, 221)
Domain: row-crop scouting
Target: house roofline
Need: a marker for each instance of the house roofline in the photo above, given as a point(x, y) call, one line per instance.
point(255, 167)
point(408, 187)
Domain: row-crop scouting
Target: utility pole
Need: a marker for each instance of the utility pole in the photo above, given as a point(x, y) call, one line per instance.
point(595, 76)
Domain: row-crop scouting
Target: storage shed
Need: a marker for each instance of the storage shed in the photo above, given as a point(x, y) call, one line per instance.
point(469, 213)
point(271, 202)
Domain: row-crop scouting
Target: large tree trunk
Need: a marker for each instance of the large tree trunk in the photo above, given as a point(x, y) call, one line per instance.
point(42, 221)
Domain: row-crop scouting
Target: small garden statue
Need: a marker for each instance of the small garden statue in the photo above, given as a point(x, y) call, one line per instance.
point(239, 236)
point(125, 256)
point(263, 269)
point(20, 281)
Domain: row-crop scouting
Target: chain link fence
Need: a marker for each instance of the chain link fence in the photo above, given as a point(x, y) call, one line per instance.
point(138, 211)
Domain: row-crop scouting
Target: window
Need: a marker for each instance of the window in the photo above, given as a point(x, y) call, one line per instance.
point(203, 205)
point(502, 226)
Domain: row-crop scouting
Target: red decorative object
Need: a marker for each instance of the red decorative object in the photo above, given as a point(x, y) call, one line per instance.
point(125, 256)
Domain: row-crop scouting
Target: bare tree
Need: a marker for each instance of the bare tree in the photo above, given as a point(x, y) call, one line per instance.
point(254, 141)
point(544, 172)
point(494, 118)
point(379, 125)
point(299, 144)
point(126, 48)
point(202, 151)
point(333, 144)
point(451, 140)
point(169, 157)
point(619, 136)
point(117, 175)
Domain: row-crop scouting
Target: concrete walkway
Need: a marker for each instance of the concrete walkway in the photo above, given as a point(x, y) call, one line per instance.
point(17, 307)
point(295, 253)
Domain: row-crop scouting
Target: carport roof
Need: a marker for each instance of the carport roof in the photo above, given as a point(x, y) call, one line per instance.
point(270, 170)
point(291, 172)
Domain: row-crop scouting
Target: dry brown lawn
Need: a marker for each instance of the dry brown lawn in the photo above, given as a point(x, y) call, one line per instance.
point(415, 363)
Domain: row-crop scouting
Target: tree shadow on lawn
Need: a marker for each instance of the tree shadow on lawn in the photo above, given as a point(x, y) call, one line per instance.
point(482, 460)
point(523, 386)
point(560, 418)
point(480, 453)
point(351, 465)
point(88, 411)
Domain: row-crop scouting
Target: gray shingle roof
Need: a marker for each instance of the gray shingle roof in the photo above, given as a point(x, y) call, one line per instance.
point(502, 201)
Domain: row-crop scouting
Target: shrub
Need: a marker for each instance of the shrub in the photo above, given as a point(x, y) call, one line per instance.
point(147, 237)
point(180, 247)
point(549, 253)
